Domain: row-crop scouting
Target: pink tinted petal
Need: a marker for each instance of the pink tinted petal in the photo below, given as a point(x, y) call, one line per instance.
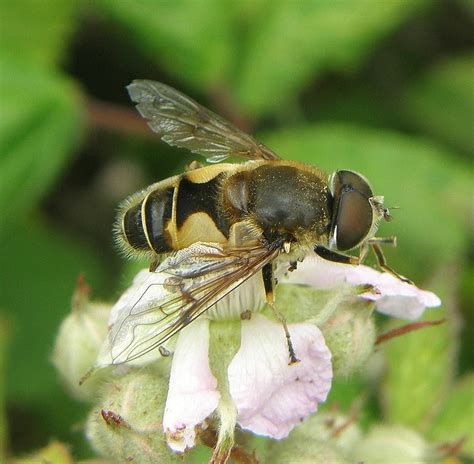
point(192, 394)
point(272, 397)
point(391, 295)
point(402, 300)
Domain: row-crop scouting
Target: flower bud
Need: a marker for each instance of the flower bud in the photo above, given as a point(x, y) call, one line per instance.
point(340, 431)
point(304, 303)
point(126, 425)
point(350, 336)
point(325, 437)
point(308, 451)
point(77, 344)
point(393, 444)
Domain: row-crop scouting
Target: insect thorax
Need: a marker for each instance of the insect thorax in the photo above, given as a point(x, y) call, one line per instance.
point(283, 200)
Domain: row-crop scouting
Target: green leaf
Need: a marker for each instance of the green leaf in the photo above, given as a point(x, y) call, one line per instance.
point(293, 42)
point(455, 419)
point(39, 128)
point(469, 4)
point(441, 102)
point(343, 393)
point(466, 297)
point(431, 187)
point(191, 39)
point(3, 421)
point(36, 31)
point(419, 369)
point(54, 453)
point(197, 454)
point(38, 272)
point(420, 365)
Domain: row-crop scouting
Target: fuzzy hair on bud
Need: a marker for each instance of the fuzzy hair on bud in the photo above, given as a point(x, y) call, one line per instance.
point(78, 341)
point(126, 424)
point(350, 336)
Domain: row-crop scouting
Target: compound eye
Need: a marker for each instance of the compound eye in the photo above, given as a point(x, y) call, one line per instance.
point(353, 221)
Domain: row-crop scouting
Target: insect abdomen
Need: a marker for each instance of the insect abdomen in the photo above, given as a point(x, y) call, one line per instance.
point(198, 215)
point(173, 214)
point(144, 225)
point(157, 210)
point(132, 228)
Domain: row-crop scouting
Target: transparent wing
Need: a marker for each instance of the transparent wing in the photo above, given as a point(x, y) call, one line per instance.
point(182, 288)
point(184, 123)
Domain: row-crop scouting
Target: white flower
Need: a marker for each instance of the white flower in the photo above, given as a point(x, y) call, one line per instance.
point(268, 395)
point(391, 296)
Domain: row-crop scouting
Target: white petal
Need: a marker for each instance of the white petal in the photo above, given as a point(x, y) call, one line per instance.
point(271, 396)
point(250, 296)
point(192, 393)
point(391, 295)
point(127, 296)
point(125, 332)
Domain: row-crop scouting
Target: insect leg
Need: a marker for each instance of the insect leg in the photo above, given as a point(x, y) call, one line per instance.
point(392, 241)
point(383, 263)
point(364, 247)
point(330, 255)
point(269, 284)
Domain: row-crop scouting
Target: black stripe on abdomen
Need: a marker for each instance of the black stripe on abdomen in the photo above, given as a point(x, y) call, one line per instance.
point(157, 211)
point(200, 197)
point(133, 228)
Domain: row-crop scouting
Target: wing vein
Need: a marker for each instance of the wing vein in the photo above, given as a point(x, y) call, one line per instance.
point(184, 123)
point(151, 321)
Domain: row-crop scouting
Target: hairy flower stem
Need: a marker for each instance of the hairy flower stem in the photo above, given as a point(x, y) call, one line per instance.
point(224, 342)
point(225, 439)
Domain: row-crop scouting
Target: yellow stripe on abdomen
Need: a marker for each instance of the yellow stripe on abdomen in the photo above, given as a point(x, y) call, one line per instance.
point(199, 227)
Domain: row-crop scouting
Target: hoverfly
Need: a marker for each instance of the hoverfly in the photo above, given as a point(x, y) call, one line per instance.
point(226, 224)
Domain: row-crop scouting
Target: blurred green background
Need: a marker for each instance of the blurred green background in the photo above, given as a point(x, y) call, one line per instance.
point(382, 87)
